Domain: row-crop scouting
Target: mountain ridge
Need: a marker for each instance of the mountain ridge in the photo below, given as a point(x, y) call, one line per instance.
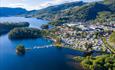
point(54, 9)
point(7, 11)
point(79, 12)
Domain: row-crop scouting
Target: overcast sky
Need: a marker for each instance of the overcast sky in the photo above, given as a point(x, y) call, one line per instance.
point(35, 4)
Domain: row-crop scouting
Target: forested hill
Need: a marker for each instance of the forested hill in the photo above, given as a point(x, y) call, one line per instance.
point(6, 11)
point(69, 12)
point(77, 11)
point(86, 12)
point(51, 11)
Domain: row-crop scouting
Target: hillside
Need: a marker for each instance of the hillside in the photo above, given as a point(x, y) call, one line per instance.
point(5, 11)
point(84, 13)
point(112, 39)
point(49, 12)
point(68, 12)
point(76, 11)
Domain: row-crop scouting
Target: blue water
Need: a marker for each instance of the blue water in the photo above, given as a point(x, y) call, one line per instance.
point(50, 58)
point(34, 22)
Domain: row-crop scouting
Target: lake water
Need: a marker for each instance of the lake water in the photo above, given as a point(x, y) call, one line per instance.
point(49, 58)
point(36, 23)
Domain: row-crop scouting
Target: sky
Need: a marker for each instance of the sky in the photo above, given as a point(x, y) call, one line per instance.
point(35, 4)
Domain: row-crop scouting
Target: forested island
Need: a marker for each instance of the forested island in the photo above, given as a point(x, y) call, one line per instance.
point(21, 33)
point(20, 49)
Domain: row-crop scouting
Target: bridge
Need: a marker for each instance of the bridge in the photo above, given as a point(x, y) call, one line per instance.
point(38, 47)
point(45, 46)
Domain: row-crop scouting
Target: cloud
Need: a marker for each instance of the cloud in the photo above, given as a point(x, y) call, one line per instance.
point(34, 4)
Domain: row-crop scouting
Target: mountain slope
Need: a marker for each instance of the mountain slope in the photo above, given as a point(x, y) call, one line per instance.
point(85, 12)
point(74, 11)
point(5, 11)
point(52, 10)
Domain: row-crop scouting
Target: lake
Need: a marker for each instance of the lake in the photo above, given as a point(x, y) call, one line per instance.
point(44, 58)
point(34, 22)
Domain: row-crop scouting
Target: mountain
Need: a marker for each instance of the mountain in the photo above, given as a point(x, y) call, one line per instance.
point(5, 11)
point(52, 10)
point(69, 12)
point(84, 13)
point(75, 11)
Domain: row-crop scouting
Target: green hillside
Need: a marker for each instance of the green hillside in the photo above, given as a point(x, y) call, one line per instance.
point(77, 11)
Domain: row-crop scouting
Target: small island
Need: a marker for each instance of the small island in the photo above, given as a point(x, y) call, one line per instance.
point(24, 33)
point(20, 50)
point(45, 26)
